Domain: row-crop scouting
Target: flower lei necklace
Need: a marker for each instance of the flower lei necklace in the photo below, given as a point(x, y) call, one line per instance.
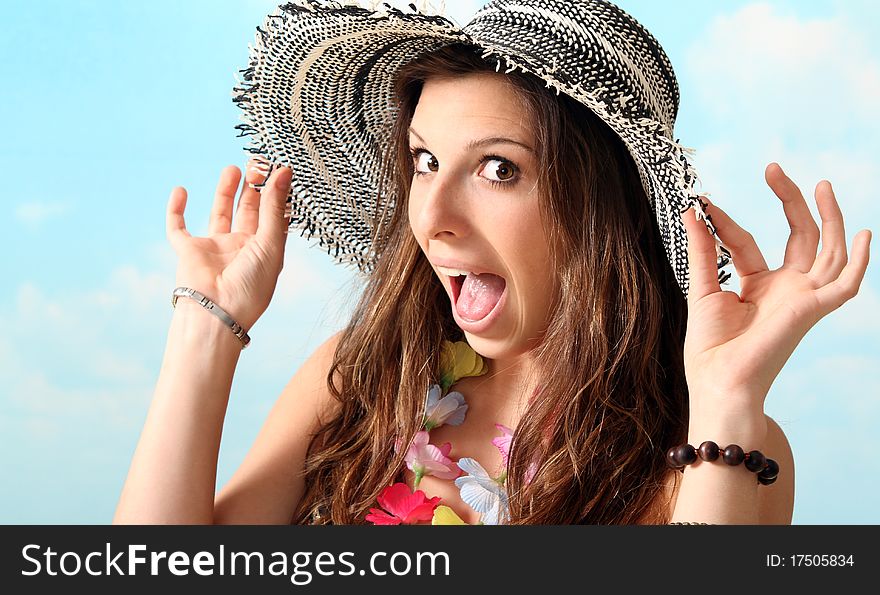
point(485, 494)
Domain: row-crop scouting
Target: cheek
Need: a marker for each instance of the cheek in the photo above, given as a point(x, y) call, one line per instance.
point(539, 304)
point(412, 210)
point(550, 293)
point(540, 280)
point(541, 292)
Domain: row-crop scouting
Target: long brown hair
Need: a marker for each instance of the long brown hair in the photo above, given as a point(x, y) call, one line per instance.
point(613, 395)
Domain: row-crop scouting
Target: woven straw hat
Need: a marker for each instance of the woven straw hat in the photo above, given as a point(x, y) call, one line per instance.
point(318, 96)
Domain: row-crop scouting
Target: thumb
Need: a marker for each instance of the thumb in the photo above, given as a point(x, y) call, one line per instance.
point(702, 257)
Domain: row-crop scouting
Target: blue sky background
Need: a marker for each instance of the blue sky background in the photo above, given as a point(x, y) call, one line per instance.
point(109, 105)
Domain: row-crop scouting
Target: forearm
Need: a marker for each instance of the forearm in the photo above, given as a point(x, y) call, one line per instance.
point(173, 472)
point(714, 492)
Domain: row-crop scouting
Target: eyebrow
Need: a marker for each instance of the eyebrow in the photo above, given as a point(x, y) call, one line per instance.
point(484, 142)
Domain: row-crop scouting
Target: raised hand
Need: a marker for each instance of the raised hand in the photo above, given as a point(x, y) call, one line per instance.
point(736, 344)
point(238, 264)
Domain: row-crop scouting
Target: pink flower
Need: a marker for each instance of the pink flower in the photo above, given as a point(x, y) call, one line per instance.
point(402, 506)
point(423, 459)
point(503, 442)
point(503, 445)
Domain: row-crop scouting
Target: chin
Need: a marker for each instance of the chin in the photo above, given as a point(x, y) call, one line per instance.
point(500, 349)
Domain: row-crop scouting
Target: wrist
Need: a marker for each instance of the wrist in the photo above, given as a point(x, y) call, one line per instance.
point(193, 324)
point(740, 399)
point(747, 428)
point(209, 305)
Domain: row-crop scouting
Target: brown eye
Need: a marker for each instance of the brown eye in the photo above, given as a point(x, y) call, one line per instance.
point(425, 162)
point(499, 170)
point(504, 171)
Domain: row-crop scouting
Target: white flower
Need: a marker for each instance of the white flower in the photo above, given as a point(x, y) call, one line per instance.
point(451, 409)
point(482, 493)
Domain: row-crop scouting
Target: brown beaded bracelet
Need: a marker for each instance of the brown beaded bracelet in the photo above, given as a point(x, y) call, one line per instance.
point(766, 469)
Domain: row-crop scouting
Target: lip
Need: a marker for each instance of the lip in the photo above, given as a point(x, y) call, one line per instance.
point(461, 266)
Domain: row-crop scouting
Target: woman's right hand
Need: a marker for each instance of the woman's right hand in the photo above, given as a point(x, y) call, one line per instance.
point(238, 264)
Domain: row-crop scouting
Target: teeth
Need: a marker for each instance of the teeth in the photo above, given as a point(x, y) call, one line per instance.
point(453, 272)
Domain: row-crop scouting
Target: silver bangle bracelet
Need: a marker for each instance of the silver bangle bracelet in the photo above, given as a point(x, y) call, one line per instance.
point(214, 309)
point(688, 523)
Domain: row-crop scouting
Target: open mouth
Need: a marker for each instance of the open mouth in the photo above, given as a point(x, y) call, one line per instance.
point(476, 295)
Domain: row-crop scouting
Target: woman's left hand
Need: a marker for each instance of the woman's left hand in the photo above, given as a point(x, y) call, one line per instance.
point(736, 344)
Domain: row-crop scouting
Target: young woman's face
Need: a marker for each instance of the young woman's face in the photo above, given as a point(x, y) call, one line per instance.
point(474, 208)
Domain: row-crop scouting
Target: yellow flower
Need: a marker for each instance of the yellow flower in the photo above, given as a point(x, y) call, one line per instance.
point(443, 515)
point(457, 361)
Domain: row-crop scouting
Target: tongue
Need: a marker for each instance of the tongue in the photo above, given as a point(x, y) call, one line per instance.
point(479, 294)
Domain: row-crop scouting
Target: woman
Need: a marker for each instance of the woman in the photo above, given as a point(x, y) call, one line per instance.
point(535, 214)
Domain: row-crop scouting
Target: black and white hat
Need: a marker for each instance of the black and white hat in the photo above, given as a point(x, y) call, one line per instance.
point(318, 96)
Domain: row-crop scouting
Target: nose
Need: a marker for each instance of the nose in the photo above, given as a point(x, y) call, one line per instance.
point(438, 207)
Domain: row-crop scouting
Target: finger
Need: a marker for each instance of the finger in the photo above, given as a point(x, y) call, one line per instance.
point(800, 251)
point(175, 226)
point(247, 213)
point(273, 207)
point(846, 286)
point(702, 258)
point(747, 257)
point(832, 257)
point(224, 197)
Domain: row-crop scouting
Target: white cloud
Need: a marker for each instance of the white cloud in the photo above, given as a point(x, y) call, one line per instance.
point(55, 404)
point(98, 350)
point(301, 273)
point(829, 390)
point(861, 315)
point(78, 356)
point(784, 71)
point(36, 212)
point(806, 94)
point(80, 366)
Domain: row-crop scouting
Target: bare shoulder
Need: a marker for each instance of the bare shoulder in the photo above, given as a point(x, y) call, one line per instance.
point(268, 485)
point(776, 501)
